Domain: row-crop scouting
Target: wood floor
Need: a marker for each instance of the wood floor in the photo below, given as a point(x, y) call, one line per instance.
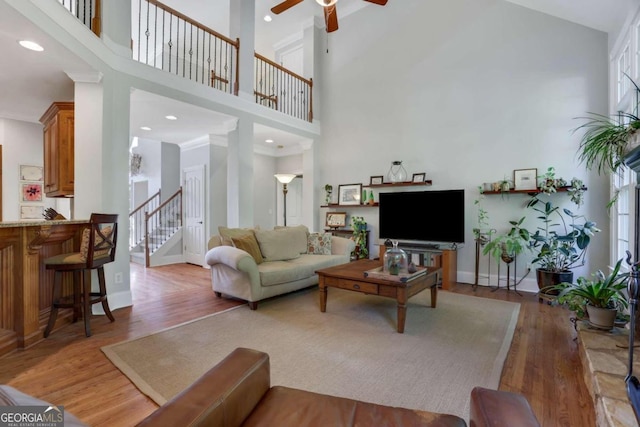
point(69, 369)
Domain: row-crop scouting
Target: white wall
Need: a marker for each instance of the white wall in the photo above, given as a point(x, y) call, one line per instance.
point(466, 91)
point(22, 144)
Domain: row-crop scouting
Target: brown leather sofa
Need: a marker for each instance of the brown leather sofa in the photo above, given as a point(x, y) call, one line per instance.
point(238, 392)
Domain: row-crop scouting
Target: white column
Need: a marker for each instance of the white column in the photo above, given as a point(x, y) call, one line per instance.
point(310, 188)
point(102, 168)
point(242, 23)
point(240, 175)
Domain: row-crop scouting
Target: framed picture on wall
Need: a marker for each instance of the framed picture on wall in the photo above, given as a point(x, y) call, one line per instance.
point(30, 173)
point(336, 219)
point(349, 194)
point(525, 179)
point(31, 192)
point(31, 211)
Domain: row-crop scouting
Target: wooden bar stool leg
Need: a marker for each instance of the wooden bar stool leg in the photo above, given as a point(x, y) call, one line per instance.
point(77, 296)
point(53, 315)
point(86, 300)
point(103, 294)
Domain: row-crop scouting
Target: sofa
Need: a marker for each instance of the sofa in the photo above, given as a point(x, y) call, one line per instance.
point(238, 392)
point(254, 264)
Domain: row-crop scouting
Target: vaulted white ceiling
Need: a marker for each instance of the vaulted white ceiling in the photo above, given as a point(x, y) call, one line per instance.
point(30, 81)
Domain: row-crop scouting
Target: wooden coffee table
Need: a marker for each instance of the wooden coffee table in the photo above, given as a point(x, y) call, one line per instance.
point(350, 276)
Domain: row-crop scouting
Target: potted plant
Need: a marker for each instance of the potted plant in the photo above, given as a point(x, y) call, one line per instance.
point(481, 233)
point(507, 246)
point(601, 298)
point(607, 139)
point(328, 189)
point(548, 183)
point(561, 242)
point(359, 227)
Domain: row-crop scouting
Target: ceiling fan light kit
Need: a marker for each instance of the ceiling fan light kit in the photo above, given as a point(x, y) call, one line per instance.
point(330, 13)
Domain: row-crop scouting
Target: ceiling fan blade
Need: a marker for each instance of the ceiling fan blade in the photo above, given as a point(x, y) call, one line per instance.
point(331, 18)
point(380, 2)
point(286, 4)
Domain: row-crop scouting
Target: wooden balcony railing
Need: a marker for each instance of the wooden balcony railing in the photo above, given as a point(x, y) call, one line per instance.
point(165, 38)
point(87, 11)
point(283, 90)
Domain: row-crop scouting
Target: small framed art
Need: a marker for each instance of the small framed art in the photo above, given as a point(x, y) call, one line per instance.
point(336, 219)
point(418, 177)
point(525, 179)
point(349, 194)
point(31, 211)
point(30, 173)
point(31, 192)
point(376, 180)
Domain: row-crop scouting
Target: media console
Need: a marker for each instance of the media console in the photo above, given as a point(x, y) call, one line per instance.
point(445, 258)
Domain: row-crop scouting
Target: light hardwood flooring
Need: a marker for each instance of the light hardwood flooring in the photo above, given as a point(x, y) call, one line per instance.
point(69, 369)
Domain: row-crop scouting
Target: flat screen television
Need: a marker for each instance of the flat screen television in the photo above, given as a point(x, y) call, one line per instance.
point(422, 216)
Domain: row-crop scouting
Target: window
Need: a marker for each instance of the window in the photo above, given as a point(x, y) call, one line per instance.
point(624, 67)
point(622, 227)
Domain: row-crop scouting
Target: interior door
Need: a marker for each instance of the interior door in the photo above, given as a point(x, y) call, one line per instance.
point(193, 234)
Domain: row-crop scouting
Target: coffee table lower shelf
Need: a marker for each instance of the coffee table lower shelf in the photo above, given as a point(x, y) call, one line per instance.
point(351, 277)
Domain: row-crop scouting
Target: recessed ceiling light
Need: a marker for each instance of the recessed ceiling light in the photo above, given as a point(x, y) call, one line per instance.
point(269, 141)
point(267, 18)
point(31, 45)
point(171, 117)
point(145, 128)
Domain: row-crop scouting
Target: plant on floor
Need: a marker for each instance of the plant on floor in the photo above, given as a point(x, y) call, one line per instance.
point(359, 227)
point(602, 291)
point(561, 245)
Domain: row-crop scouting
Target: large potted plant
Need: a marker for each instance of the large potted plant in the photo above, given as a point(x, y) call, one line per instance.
point(560, 242)
point(601, 298)
point(359, 227)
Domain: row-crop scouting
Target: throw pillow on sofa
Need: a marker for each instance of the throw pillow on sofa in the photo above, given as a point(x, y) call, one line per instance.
point(319, 244)
point(230, 233)
point(249, 244)
point(275, 245)
point(298, 236)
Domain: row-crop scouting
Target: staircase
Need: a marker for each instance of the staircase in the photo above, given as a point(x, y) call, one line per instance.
point(156, 231)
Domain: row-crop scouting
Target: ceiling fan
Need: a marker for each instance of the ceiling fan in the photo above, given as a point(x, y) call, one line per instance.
point(330, 14)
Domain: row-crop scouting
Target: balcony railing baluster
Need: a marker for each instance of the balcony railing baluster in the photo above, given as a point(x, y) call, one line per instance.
point(275, 87)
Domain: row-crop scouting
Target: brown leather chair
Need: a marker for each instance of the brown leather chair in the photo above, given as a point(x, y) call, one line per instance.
point(98, 248)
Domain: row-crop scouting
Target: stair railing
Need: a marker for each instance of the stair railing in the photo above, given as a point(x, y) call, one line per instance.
point(137, 218)
point(166, 39)
point(162, 223)
point(283, 90)
point(87, 11)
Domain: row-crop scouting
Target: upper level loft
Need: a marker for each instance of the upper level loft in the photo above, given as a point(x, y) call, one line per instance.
point(169, 40)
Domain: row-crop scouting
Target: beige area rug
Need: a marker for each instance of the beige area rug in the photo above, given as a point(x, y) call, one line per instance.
point(352, 350)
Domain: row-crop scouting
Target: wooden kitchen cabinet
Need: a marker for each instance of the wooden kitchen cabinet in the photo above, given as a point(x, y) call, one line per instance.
point(58, 123)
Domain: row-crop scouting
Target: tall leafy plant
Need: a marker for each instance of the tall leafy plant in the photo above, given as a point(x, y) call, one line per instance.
point(562, 239)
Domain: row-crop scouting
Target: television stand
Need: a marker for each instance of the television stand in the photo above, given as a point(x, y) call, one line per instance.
point(447, 259)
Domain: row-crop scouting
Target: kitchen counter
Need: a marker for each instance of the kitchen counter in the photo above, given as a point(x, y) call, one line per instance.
point(25, 285)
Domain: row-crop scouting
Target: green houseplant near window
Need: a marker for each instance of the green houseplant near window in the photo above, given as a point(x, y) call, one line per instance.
point(561, 242)
point(606, 140)
point(601, 296)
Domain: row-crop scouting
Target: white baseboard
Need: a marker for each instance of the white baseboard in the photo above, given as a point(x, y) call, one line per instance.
point(116, 300)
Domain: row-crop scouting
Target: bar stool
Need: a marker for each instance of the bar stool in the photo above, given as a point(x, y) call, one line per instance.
point(98, 248)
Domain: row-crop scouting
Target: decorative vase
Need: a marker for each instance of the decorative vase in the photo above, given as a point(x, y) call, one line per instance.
point(371, 201)
point(327, 198)
point(397, 173)
point(364, 197)
point(396, 261)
